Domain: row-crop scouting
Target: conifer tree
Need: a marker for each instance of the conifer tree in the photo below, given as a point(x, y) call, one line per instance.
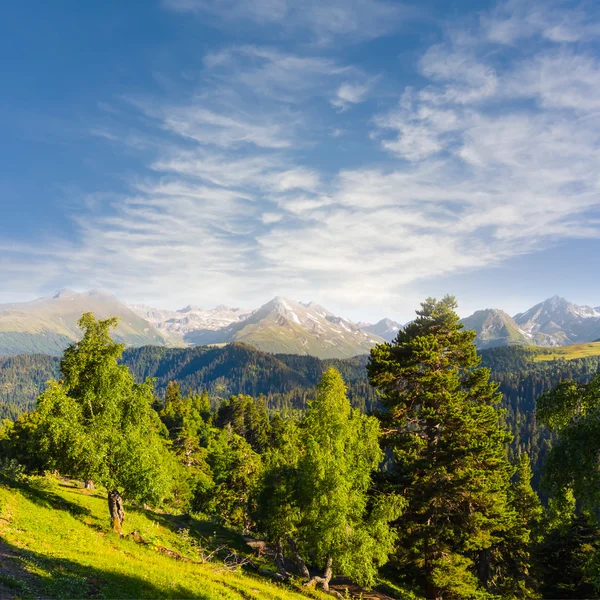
point(511, 557)
point(572, 410)
point(97, 424)
point(188, 423)
point(439, 420)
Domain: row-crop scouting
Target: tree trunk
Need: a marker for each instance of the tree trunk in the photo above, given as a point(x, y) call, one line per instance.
point(280, 559)
point(483, 567)
point(117, 512)
point(432, 592)
point(324, 581)
point(300, 564)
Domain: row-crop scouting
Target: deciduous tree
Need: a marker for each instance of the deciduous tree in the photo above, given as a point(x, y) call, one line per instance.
point(97, 424)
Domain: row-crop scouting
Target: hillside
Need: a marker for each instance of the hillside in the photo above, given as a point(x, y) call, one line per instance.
point(22, 379)
point(495, 328)
point(55, 542)
point(284, 326)
point(49, 325)
point(286, 380)
point(571, 352)
point(553, 322)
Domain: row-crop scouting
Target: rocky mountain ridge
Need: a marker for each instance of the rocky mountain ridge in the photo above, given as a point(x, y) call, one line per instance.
point(48, 325)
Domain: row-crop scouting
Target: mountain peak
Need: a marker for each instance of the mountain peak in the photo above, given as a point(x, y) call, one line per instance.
point(188, 308)
point(385, 328)
point(65, 293)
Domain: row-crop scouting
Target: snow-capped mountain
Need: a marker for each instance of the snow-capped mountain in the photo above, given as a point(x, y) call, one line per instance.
point(49, 325)
point(386, 329)
point(286, 326)
point(557, 322)
point(178, 323)
point(553, 322)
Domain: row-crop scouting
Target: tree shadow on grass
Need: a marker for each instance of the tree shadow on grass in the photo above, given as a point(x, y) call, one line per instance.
point(37, 493)
point(209, 530)
point(28, 575)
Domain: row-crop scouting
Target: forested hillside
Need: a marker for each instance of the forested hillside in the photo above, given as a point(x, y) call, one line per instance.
point(287, 381)
point(417, 499)
point(22, 379)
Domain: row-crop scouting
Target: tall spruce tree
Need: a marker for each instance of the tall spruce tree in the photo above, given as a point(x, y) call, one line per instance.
point(438, 417)
point(97, 424)
point(512, 557)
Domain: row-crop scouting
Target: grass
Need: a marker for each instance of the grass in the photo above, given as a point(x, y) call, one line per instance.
point(569, 352)
point(55, 543)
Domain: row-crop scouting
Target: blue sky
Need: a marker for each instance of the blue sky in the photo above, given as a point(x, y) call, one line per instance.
point(360, 153)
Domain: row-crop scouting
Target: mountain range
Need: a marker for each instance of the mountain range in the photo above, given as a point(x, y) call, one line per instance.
point(48, 325)
point(279, 326)
point(553, 322)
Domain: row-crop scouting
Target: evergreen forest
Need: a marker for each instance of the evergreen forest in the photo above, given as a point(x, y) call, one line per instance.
point(422, 471)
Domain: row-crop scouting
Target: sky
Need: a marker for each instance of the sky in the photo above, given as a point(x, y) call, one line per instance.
point(364, 154)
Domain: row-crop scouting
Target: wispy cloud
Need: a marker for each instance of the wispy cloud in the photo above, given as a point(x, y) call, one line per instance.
point(324, 21)
point(490, 154)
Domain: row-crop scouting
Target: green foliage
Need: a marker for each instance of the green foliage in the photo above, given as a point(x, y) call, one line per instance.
point(568, 559)
point(439, 420)
point(248, 418)
point(572, 410)
point(341, 452)
point(316, 491)
point(18, 442)
point(187, 421)
point(98, 424)
point(511, 558)
point(288, 382)
point(236, 469)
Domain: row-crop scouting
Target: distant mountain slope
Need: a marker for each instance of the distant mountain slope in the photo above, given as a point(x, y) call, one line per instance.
point(49, 325)
point(285, 326)
point(177, 323)
point(386, 329)
point(232, 369)
point(287, 380)
point(22, 380)
point(553, 322)
point(495, 328)
point(557, 322)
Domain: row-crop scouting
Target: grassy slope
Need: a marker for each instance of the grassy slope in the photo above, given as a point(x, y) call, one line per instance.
point(569, 352)
point(54, 542)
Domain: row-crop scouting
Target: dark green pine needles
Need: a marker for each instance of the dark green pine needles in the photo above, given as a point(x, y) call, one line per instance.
point(447, 452)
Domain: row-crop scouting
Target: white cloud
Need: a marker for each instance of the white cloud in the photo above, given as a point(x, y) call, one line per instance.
point(493, 156)
point(349, 93)
point(558, 22)
point(349, 19)
point(210, 127)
